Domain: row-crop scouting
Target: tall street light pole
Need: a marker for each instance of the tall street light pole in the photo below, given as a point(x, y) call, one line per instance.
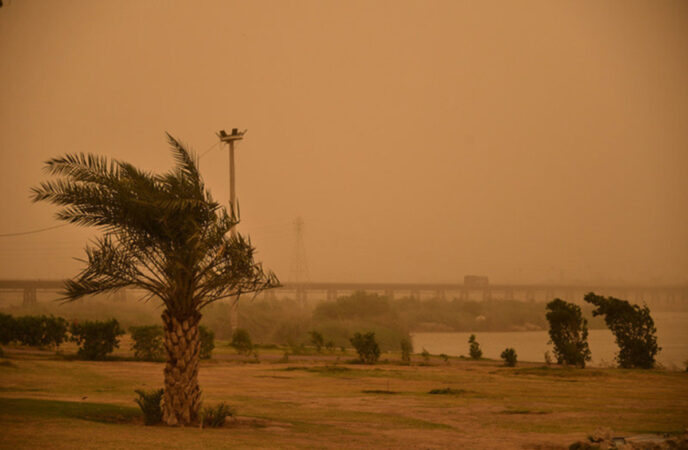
point(231, 139)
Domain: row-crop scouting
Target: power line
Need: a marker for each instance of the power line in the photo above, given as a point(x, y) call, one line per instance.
point(205, 152)
point(40, 230)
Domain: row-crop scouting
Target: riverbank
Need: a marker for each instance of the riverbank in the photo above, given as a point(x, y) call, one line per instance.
point(672, 336)
point(49, 402)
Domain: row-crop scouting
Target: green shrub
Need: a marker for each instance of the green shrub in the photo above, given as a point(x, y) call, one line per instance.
point(150, 404)
point(474, 348)
point(207, 341)
point(241, 341)
point(632, 327)
point(215, 417)
point(317, 340)
point(148, 342)
point(38, 331)
point(96, 339)
point(426, 355)
point(509, 357)
point(28, 330)
point(54, 331)
point(366, 347)
point(7, 329)
point(406, 350)
point(568, 332)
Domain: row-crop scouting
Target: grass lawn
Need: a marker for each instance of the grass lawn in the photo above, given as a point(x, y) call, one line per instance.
point(47, 401)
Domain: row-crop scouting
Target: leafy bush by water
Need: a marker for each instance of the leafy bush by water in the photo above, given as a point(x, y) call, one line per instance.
point(474, 348)
point(366, 347)
point(568, 332)
point(509, 357)
point(632, 327)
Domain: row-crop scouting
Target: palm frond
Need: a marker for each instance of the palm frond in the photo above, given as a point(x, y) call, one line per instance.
point(163, 233)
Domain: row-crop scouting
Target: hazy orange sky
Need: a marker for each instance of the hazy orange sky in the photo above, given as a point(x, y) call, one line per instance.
point(419, 140)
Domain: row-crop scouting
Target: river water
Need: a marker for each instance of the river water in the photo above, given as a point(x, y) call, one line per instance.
point(672, 336)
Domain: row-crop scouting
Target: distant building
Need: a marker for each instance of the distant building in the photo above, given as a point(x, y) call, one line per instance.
point(475, 281)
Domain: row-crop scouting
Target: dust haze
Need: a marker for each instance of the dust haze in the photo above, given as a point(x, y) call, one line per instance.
point(418, 141)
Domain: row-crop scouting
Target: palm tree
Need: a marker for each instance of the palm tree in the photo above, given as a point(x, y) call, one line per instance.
point(162, 233)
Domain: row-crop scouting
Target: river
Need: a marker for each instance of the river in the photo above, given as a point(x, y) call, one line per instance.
point(672, 336)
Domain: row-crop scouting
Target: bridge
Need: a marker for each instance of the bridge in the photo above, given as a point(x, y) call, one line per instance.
point(654, 295)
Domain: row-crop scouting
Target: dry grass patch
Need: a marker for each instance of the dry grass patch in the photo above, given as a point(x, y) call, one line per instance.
point(318, 404)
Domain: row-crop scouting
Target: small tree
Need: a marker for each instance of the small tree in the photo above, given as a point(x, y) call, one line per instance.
point(366, 347)
point(317, 340)
point(632, 327)
point(96, 339)
point(148, 344)
point(207, 341)
point(241, 341)
point(474, 348)
point(509, 357)
point(406, 350)
point(568, 332)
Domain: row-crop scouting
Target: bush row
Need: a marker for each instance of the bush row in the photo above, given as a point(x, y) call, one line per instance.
point(95, 339)
point(35, 331)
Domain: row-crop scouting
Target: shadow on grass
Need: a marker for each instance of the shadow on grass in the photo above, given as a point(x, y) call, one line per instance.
point(522, 411)
point(561, 372)
point(450, 391)
point(319, 369)
point(94, 412)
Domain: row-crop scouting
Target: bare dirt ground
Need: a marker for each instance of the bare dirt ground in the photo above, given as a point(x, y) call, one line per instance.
point(47, 401)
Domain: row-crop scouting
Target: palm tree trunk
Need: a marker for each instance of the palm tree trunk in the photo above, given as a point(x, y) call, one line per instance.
point(182, 396)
